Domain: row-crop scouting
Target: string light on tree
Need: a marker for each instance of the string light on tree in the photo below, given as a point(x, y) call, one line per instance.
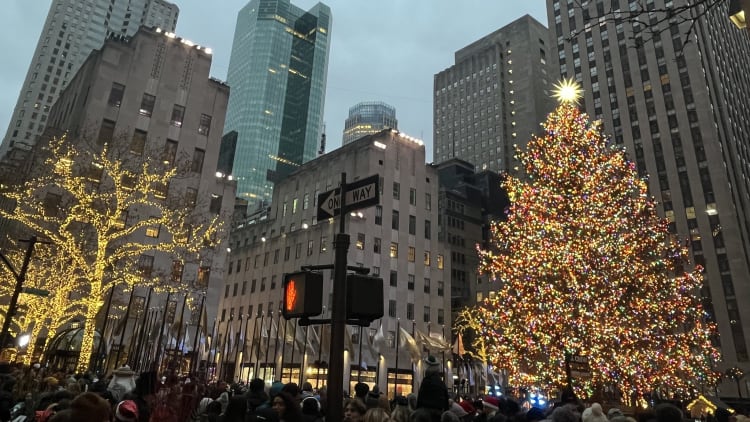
point(586, 267)
point(94, 205)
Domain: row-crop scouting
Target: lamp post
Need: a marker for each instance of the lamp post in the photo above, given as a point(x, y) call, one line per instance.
point(20, 277)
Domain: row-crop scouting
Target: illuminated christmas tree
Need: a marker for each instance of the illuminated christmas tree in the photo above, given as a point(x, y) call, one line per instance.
point(103, 209)
point(586, 268)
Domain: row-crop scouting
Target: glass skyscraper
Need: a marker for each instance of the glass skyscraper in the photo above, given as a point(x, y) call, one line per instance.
point(72, 30)
point(277, 74)
point(367, 118)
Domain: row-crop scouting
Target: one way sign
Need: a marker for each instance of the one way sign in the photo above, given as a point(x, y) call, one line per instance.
point(360, 194)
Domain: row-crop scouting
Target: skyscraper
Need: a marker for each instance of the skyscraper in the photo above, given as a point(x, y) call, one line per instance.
point(495, 96)
point(277, 72)
point(367, 118)
point(683, 114)
point(73, 29)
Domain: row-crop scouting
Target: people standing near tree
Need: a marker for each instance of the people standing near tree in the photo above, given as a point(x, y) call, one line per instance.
point(433, 394)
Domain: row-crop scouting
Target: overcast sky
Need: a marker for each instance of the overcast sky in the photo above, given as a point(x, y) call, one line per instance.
point(381, 50)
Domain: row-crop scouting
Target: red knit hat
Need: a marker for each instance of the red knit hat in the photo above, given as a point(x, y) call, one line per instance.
point(126, 411)
point(468, 407)
point(491, 402)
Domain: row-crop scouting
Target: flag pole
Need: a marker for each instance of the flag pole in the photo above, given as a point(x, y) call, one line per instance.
point(252, 343)
point(398, 349)
point(304, 357)
point(197, 335)
point(359, 371)
point(257, 349)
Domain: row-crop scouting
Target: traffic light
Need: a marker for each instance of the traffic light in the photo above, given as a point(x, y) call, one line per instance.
point(303, 294)
point(364, 297)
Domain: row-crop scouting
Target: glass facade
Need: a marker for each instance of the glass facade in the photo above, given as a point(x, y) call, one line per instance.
point(367, 118)
point(277, 73)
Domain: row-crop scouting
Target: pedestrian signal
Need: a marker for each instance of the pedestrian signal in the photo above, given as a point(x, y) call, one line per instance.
point(303, 294)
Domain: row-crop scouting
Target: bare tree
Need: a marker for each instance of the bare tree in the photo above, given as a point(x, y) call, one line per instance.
point(648, 20)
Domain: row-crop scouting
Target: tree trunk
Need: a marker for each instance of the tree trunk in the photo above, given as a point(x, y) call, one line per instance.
point(32, 343)
point(89, 330)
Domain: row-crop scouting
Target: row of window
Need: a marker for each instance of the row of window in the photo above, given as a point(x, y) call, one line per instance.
point(426, 316)
point(148, 102)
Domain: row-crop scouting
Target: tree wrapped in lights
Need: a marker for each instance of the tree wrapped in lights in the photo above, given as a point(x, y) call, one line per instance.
point(95, 204)
point(587, 268)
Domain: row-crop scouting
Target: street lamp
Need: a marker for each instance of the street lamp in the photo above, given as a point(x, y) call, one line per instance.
point(737, 9)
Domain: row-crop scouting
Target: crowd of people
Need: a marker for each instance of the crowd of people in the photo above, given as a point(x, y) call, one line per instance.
point(33, 394)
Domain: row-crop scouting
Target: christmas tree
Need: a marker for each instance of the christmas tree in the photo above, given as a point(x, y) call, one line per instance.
point(588, 270)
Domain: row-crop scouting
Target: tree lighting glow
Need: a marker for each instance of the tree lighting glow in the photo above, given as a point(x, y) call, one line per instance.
point(587, 268)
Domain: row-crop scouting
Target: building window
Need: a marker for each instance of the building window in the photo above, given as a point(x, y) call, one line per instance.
point(426, 314)
point(428, 201)
point(305, 201)
point(378, 213)
point(440, 263)
point(273, 282)
point(376, 245)
point(145, 265)
point(253, 285)
point(197, 164)
point(215, 206)
point(427, 258)
point(310, 247)
point(427, 285)
point(204, 273)
point(427, 229)
point(147, 105)
point(262, 284)
point(410, 282)
point(394, 278)
point(413, 225)
point(394, 250)
point(410, 311)
point(177, 269)
point(116, 94)
point(106, 132)
point(178, 114)
point(287, 251)
point(412, 254)
point(234, 290)
point(441, 316)
point(323, 244)
point(412, 196)
point(138, 143)
point(244, 287)
point(391, 339)
point(392, 308)
point(396, 190)
point(394, 220)
point(204, 127)
point(360, 241)
point(170, 152)
point(153, 231)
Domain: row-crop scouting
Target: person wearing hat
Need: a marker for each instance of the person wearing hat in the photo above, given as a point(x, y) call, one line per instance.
point(490, 406)
point(90, 407)
point(433, 394)
point(123, 381)
point(126, 411)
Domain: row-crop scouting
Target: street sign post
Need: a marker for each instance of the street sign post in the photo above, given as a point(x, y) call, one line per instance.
point(360, 194)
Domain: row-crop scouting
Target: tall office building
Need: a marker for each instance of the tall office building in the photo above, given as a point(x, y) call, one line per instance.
point(277, 72)
point(683, 114)
point(397, 240)
point(495, 96)
point(367, 118)
point(73, 29)
point(153, 93)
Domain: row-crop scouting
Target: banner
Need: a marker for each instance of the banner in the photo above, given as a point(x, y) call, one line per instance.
point(408, 342)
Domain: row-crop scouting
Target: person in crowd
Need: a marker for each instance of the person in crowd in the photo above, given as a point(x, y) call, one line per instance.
point(287, 408)
point(256, 395)
point(433, 394)
point(666, 412)
point(90, 407)
point(236, 410)
point(360, 392)
point(376, 414)
point(354, 410)
point(311, 410)
point(401, 411)
point(126, 411)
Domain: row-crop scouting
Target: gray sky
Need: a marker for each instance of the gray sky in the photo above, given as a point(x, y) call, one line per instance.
point(382, 50)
